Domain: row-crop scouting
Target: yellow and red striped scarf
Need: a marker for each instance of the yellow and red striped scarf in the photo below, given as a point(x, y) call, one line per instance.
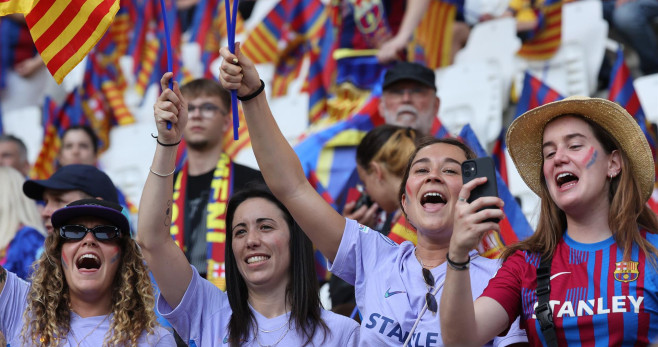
point(220, 191)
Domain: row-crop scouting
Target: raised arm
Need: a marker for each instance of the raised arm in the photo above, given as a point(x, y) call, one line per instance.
point(485, 318)
point(277, 161)
point(170, 268)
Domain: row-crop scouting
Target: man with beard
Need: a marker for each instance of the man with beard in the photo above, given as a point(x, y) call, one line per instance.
point(206, 181)
point(409, 97)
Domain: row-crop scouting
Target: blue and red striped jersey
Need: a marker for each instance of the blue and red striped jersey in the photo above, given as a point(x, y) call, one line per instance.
point(597, 297)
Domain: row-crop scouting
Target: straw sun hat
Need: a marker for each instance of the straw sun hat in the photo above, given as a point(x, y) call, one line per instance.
point(524, 138)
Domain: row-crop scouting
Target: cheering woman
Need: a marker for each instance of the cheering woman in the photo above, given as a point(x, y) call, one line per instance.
point(587, 275)
point(395, 284)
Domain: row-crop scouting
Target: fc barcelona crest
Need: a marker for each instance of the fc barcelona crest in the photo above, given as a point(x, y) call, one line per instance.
point(626, 271)
point(368, 14)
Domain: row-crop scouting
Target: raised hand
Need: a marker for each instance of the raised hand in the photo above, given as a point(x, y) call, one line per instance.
point(171, 106)
point(238, 72)
point(470, 223)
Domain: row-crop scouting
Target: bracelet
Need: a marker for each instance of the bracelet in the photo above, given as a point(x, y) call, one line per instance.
point(162, 175)
point(254, 94)
point(166, 144)
point(458, 266)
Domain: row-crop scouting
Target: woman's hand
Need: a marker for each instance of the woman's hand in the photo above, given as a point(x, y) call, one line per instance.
point(470, 223)
point(238, 72)
point(171, 106)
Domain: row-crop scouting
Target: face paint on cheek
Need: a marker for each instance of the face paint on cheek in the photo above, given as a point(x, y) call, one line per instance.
point(116, 256)
point(64, 260)
point(590, 159)
point(407, 190)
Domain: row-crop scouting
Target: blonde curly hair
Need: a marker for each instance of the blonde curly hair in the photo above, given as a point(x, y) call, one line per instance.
point(47, 318)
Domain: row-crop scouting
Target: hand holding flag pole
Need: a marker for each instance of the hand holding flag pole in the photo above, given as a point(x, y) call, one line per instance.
point(170, 65)
point(231, 18)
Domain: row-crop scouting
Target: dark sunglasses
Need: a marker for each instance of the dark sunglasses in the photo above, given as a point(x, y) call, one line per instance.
point(100, 232)
point(430, 300)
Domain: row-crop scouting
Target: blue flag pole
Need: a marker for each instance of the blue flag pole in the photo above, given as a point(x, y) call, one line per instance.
point(170, 64)
point(231, 18)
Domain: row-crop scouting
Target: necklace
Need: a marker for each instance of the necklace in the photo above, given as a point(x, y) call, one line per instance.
point(271, 331)
point(420, 260)
point(277, 341)
point(92, 330)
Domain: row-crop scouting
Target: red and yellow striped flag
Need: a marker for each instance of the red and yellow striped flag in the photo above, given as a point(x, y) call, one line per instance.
point(14, 6)
point(64, 31)
point(434, 35)
point(548, 38)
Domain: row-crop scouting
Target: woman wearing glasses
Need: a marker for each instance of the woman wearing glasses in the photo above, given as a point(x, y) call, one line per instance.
point(587, 276)
point(395, 284)
point(272, 292)
point(90, 286)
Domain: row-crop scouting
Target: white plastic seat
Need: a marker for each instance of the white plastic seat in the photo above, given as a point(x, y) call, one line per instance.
point(574, 69)
point(646, 88)
point(495, 43)
point(470, 93)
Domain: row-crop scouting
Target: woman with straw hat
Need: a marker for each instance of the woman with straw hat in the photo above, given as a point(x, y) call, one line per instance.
point(587, 275)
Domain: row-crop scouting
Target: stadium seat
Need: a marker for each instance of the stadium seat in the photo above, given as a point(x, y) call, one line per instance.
point(495, 43)
point(574, 69)
point(25, 123)
point(470, 93)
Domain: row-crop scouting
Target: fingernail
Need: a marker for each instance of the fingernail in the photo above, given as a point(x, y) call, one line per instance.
point(235, 60)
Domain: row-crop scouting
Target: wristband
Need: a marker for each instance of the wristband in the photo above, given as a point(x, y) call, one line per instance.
point(166, 144)
point(254, 94)
point(458, 266)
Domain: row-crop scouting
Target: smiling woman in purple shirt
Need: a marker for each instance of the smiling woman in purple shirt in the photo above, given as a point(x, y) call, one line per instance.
point(272, 290)
point(396, 286)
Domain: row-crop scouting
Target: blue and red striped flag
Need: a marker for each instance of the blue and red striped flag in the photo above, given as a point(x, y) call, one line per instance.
point(514, 227)
point(16, 46)
point(621, 91)
point(534, 94)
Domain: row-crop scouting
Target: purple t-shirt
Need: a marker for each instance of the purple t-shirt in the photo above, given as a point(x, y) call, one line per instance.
point(204, 312)
point(390, 290)
point(90, 331)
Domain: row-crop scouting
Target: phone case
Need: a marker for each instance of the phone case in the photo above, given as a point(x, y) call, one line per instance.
point(481, 167)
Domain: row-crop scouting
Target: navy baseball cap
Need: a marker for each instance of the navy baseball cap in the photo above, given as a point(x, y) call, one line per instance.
point(86, 178)
point(406, 71)
point(107, 210)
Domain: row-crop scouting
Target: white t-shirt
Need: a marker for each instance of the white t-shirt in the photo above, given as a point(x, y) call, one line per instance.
point(89, 332)
point(203, 314)
point(390, 289)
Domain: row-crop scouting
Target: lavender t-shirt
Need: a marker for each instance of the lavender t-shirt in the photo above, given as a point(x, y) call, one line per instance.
point(204, 312)
point(390, 290)
point(89, 332)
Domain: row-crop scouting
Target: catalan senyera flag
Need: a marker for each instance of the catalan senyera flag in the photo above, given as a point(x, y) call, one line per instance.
point(432, 43)
point(64, 31)
point(56, 121)
point(547, 37)
point(15, 6)
point(514, 227)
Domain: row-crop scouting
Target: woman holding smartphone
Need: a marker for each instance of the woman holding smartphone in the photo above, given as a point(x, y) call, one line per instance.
point(587, 274)
point(395, 284)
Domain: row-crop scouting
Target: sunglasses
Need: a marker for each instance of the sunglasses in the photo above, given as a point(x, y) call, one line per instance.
point(430, 300)
point(100, 232)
